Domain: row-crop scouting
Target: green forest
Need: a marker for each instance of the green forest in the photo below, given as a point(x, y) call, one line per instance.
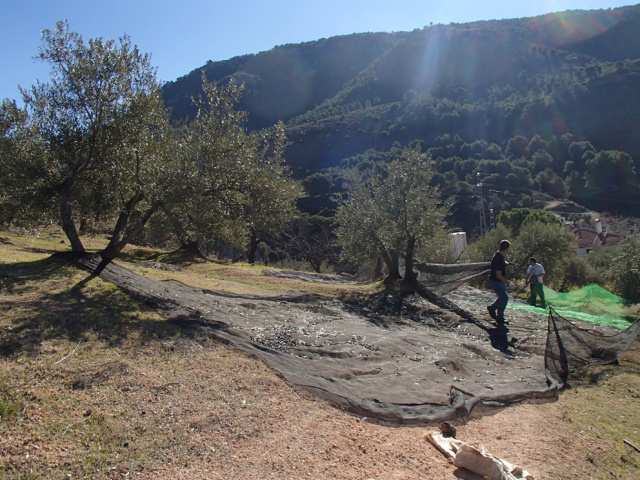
point(534, 109)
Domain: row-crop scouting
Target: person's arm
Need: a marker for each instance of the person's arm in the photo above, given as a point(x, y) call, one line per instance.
point(502, 278)
point(530, 272)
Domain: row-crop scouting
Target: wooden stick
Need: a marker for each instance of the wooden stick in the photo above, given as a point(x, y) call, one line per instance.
point(67, 356)
point(632, 445)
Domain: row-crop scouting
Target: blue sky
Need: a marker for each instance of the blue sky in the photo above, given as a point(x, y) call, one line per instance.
point(183, 35)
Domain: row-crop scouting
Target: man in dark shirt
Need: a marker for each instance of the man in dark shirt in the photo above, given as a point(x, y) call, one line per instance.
point(498, 282)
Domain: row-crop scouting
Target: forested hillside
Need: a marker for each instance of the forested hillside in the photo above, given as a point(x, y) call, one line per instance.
point(536, 108)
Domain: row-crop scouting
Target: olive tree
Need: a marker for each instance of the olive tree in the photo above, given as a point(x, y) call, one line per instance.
point(395, 212)
point(94, 141)
point(310, 238)
point(270, 200)
point(12, 188)
point(235, 186)
point(359, 230)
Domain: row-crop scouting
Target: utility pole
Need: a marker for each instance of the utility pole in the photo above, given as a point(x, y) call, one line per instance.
point(492, 217)
point(483, 220)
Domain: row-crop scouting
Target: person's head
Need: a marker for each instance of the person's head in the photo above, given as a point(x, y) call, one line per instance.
point(504, 245)
point(532, 261)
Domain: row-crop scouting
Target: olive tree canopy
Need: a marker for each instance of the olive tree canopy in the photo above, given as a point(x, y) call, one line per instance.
point(235, 186)
point(395, 212)
point(92, 147)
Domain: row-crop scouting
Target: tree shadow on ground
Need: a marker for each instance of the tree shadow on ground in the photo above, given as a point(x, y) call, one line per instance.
point(84, 310)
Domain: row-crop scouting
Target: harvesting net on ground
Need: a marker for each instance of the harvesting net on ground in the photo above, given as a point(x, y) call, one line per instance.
point(401, 359)
point(591, 303)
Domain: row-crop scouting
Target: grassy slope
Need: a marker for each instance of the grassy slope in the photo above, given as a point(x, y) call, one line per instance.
point(92, 384)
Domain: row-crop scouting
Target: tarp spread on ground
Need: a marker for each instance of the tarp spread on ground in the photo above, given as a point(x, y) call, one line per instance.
point(397, 359)
point(444, 278)
point(591, 304)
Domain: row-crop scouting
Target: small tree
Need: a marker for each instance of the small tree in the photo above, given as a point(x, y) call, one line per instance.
point(212, 152)
point(514, 219)
point(310, 238)
point(359, 231)
point(395, 212)
point(624, 272)
point(270, 199)
point(234, 185)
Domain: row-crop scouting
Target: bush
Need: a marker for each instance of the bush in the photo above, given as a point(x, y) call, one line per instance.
point(624, 272)
point(483, 249)
point(550, 243)
point(578, 272)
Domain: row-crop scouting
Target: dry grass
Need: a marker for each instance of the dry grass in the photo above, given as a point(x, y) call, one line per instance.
point(95, 385)
point(603, 404)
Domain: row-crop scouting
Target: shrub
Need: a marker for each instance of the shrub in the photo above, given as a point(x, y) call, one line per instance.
point(624, 272)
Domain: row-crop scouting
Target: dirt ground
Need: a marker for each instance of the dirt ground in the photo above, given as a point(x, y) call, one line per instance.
point(301, 436)
point(190, 407)
point(281, 431)
point(291, 434)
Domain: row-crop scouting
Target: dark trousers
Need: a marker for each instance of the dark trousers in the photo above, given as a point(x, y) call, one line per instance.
point(502, 297)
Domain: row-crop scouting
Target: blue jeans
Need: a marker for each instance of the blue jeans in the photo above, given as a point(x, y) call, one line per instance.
point(503, 298)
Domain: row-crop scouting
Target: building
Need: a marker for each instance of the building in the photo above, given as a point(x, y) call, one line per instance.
point(458, 244)
point(587, 238)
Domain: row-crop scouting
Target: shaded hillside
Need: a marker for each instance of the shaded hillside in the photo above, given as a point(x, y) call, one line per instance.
point(286, 81)
point(567, 78)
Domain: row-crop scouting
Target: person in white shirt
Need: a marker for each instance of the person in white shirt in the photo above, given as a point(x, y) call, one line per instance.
point(535, 273)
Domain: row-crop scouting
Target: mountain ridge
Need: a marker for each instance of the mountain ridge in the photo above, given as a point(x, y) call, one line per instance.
point(572, 75)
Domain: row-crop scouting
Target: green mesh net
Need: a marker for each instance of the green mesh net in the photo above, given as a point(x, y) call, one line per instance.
point(591, 303)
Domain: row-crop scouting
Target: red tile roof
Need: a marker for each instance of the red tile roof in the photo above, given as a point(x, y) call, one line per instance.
point(587, 238)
